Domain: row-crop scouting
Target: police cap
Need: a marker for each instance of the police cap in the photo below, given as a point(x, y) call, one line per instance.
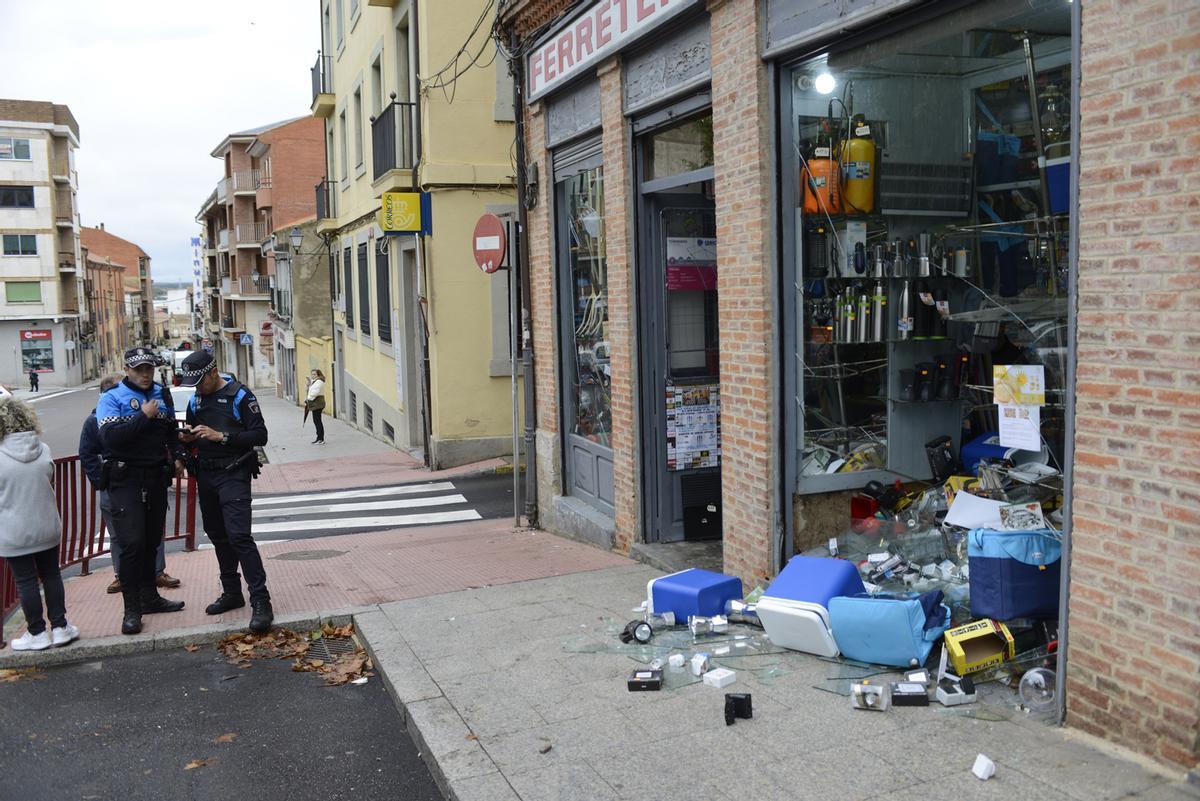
point(136, 357)
point(195, 367)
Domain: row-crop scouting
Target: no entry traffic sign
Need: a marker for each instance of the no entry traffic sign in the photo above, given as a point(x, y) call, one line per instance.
point(489, 243)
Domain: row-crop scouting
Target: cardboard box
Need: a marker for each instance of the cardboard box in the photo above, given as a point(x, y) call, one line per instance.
point(979, 645)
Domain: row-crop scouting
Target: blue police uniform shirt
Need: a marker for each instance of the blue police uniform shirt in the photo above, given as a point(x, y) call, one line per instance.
point(130, 436)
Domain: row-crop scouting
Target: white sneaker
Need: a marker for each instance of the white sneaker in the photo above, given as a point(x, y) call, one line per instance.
point(64, 635)
point(31, 642)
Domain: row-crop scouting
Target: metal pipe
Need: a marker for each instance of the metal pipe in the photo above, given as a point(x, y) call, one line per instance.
point(1044, 184)
point(523, 205)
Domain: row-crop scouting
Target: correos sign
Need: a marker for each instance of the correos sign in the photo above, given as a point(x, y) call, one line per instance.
point(603, 29)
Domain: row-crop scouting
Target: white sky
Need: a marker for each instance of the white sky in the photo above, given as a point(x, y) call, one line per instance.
point(155, 86)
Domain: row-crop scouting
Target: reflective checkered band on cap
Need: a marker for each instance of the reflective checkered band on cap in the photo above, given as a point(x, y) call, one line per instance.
point(139, 356)
point(195, 373)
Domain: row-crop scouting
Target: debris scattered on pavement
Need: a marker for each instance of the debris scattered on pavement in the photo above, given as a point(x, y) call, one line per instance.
point(984, 768)
point(545, 747)
point(200, 763)
point(191, 648)
point(225, 738)
point(738, 705)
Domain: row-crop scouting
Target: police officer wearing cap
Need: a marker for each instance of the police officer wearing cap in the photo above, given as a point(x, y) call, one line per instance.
point(137, 429)
point(224, 424)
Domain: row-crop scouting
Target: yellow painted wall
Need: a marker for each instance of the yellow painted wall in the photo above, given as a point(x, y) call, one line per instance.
point(315, 353)
point(467, 401)
point(466, 164)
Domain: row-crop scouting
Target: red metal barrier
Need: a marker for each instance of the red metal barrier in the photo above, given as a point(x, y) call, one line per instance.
point(84, 535)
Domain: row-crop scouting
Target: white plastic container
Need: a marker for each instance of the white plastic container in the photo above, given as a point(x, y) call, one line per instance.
point(798, 625)
point(720, 677)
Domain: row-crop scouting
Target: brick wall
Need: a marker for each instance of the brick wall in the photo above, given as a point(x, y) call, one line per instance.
point(1134, 649)
point(541, 261)
point(297, 164)
point(622, 315)
point(740, 144)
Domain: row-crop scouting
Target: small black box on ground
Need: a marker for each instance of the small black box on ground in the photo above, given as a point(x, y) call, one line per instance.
point(644, 680)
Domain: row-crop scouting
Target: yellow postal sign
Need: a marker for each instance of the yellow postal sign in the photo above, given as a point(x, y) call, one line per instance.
point(401, 213)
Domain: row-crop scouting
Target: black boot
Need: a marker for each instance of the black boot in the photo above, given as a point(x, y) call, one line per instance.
point(131, 623)
point(153, 603)
point(261, 616)
point(226, 602)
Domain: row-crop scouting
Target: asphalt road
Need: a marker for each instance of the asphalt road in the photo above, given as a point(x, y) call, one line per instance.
point(62, 418)
point(124, 729)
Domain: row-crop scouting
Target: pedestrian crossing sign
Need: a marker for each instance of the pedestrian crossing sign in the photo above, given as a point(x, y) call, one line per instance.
point(405, 213)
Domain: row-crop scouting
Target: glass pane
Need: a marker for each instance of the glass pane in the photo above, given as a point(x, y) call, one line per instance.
point(590, 375)
point(691, 298)
point(905, 226)
point(684, 148)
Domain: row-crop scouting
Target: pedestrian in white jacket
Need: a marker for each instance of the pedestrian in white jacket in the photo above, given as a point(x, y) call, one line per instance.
point(30, 527)
point(315, 403)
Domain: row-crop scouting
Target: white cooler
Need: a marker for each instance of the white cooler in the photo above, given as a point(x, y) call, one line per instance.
point(794, 609)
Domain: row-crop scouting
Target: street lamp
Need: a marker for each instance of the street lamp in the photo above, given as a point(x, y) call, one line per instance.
point(296, 238)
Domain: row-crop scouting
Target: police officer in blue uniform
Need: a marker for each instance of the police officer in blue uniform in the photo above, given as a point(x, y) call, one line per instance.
point(137, 429)
point(224, 424)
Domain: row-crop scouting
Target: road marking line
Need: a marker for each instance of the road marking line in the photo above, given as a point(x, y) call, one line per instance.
point(371, 492)
point(370, 506)
point(39, 397)
point(371, 522)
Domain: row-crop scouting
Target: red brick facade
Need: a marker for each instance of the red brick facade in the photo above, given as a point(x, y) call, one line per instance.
point(1134, 648)
point(745, 307)
point(1133, 672)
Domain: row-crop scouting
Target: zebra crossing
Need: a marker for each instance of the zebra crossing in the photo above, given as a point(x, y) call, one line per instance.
point(368, 509)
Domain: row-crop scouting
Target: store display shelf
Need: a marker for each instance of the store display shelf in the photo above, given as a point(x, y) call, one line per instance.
point(925, 403)
point(1026, 184)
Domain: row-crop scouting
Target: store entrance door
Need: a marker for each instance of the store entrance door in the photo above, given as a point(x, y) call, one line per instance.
point(681, 371)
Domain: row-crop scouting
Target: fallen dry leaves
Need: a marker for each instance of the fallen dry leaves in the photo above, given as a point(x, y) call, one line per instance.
point(225, 738)
point(9, 675)
point(191, 648)
point(282, 643)
point(199, 763)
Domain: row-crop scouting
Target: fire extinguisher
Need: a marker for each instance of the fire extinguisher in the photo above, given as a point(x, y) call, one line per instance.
point(820, 190)
point(858, 168)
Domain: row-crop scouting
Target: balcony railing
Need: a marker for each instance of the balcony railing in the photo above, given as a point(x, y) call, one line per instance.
point(395, 138)
point(223, 238)
point(250, 233)
point(322, 76)
point(252, 285)
point(245, 181)
point(227, 321)
point(326, 201)
point(222, 189)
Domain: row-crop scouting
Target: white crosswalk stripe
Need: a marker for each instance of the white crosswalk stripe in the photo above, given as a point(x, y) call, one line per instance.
point(368, 509)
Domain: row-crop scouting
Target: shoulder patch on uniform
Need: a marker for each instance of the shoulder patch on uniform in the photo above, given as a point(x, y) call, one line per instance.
point(253, 406)
point(134, 403)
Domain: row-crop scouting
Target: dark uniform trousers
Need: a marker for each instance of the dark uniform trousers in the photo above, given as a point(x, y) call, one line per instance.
point(138, 496)
point(225, 509)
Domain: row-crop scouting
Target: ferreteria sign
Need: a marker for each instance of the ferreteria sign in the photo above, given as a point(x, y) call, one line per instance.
point(603, 29)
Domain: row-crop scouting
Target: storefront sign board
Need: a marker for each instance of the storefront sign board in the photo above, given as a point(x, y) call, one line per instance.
point(37, 350)
point(405, 213)
point(602, 29)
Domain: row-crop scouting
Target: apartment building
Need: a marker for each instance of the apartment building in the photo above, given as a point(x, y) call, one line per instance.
point(137, 279)
point(42, 301)
point(267, 177)
point(109, 334)
point(421, 335)
point(301, 312)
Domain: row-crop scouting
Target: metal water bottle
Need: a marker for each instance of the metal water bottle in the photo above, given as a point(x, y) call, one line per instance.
point(878, 312)
point(877, 262)
point(904, 312)
point(864, 316)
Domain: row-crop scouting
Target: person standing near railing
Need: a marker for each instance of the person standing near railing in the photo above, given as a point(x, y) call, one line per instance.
point(93, 458)
point(225, 425)
point(137, 429)
point(30, 527)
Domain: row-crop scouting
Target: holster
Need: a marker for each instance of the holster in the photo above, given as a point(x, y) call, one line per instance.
point(105, 476)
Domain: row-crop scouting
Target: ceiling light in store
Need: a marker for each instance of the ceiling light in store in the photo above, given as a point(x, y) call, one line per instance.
point(824, 83)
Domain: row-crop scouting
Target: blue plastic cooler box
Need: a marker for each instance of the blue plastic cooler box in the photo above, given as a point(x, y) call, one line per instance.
point(692, 593)
point(795, 608)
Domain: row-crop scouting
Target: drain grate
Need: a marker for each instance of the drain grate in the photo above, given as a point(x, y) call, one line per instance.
point(330, 648)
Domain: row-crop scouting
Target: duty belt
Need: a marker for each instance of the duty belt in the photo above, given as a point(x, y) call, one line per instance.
point(219, 463)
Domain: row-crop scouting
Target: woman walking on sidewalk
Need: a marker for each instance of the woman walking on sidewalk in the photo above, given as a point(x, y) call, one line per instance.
point(30, 527)
point(315, 403)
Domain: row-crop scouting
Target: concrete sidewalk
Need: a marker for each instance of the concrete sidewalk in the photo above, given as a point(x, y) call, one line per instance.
point(501, 710)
